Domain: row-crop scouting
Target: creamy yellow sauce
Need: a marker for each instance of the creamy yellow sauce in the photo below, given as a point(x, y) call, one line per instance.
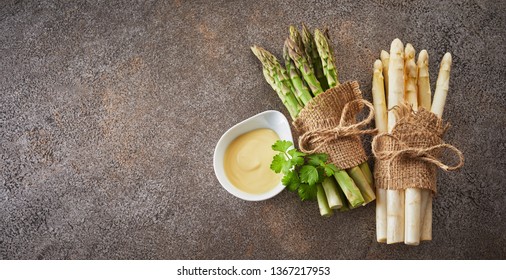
point(247, 161)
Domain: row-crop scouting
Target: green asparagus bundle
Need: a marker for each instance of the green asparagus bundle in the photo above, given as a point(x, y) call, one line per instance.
point(310, 69)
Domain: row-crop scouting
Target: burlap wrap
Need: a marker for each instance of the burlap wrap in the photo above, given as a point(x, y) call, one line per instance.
point(408, 157)
point(328, 125)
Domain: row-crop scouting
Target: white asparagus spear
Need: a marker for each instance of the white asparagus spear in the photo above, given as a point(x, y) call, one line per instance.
point(385, 60)
point(412, 218)
point(424, 101)
point(426, 234)
point(410, 77)
point(379, 99)
point(438, 104)
point(442, 85)
point(413, 195)
point(424, 93)
point(395, 198)
point(380, 117)
point(426, 196)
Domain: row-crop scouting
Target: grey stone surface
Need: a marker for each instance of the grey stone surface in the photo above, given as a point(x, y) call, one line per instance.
point(110, 111)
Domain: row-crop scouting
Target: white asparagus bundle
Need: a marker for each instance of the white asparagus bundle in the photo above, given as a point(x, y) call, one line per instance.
point(380, 117)
point(395, 198)
point(413, 195)
point(408, 215)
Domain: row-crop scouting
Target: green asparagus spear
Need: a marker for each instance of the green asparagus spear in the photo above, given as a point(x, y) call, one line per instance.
point(325, 210)
point(349, 188)
point(327, 35)
point(327, 58)
point(361, 182)
point(302, 92)
point(290, 67)
point(297, 39)
point(312, 52)
point(364, 166)
point(302, 64)
point(331, 192)
point(345, 206)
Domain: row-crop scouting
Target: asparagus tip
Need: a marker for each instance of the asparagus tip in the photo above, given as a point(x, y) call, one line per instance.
point(397, 44)
point(384, 54)
point(409, 52)
point(448, 57)
point(378, 65)
point(423, 58)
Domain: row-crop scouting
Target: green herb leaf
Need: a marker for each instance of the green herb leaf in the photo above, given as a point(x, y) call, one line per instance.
point(330, 169)
point(321, 174)
point(317, 159)
point(307, 192)
point(287, 178)
point(308, 174)
point(282, 146)
point(280, 164)
point(291, 181)
point(297, 157)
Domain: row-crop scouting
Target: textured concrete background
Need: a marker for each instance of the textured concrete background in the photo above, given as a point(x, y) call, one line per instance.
point(109, 114)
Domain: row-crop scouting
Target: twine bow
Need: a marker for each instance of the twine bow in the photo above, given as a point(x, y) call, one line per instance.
point(324, 135)
point(423, 154)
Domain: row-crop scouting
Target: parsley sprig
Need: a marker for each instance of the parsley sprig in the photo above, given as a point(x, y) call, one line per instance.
point(302, 172)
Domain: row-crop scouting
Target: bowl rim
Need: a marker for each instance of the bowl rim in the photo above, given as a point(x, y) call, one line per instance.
point(218, 167)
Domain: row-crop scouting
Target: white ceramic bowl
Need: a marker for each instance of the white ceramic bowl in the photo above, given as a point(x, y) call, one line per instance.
point(268, 119)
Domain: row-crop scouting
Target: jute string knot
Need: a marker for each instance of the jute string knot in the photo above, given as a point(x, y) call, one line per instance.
point(424, 154)
point(319, 137)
